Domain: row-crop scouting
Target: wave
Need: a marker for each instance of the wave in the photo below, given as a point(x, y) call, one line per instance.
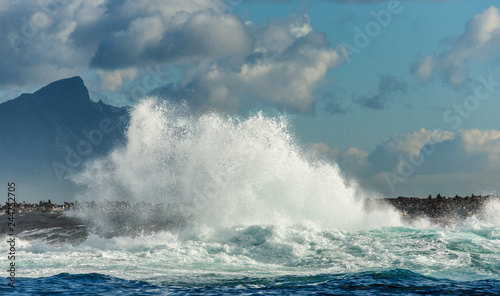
point(218, 254)
point(222, 171)
point(238, 198)
point(391, 282)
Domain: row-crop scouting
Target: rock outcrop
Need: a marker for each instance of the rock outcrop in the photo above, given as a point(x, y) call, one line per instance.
point(441, 208)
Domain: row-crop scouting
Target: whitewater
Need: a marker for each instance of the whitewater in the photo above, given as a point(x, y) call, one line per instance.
point(249, 210)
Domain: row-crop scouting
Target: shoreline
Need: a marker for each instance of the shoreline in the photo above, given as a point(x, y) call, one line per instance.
point(410, 207)
point(432, 207)
point(441, 210)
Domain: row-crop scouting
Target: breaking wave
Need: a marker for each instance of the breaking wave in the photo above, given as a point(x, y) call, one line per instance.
point(221, 171)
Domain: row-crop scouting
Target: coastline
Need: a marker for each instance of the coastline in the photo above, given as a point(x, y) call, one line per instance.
point(65, 217)
point(441, 209)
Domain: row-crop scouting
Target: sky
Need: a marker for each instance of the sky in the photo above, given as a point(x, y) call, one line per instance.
point(402, 95)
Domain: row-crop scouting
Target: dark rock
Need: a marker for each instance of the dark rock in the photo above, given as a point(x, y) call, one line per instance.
point(40, 130)
point(441, 208)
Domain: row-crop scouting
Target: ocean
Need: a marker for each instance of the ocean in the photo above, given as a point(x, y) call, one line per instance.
point(243, 209)
point(259, 259)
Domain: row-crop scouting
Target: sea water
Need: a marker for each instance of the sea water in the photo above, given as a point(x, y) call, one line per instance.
point(248, 211)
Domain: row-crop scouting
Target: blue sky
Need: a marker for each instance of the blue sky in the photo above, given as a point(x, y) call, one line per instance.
point(375, 109)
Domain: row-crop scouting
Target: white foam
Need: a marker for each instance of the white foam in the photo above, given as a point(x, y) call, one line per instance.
point(257, 206)
point(221, 171)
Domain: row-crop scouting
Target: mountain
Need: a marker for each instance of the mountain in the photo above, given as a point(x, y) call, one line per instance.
point(50, 134)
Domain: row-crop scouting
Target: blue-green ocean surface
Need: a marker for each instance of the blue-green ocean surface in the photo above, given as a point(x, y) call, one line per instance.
point(241, 208)
point(258, 259)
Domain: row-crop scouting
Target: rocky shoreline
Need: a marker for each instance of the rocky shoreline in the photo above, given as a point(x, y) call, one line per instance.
point(47, 215)
point(441, 209)
point(410, 207)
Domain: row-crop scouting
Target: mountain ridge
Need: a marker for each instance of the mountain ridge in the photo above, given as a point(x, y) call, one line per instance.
point(38, 131)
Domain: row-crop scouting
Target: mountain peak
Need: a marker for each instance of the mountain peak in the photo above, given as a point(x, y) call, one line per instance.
point(65, 89)
point(49, 134)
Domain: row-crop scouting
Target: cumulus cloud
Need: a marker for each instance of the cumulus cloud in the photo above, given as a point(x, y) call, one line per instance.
point(150, 40)
point(388, 87)
point(282, 72)
point(37, 46)
point(480, 38)
point(221, 61)
point(53, 39)
point(426, 162)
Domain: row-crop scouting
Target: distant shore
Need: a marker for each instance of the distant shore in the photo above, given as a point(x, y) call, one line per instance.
point(432, 207)
point(439, 209)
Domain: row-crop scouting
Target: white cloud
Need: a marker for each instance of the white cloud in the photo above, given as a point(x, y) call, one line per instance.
point(281, 72)
point(353, 161)
point(484, 27)
point(355, 152)
point(150, 40)
point(481, 37)
point(325, 151)
point(225, 63)
point(483, 142)
point(427, 162)
point(411, 143)
point(424, 70)
point(301, 26)
point(111, 80)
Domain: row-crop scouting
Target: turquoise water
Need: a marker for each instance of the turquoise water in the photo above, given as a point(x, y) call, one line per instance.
point(469, 253)
point(270, 260)
point(247, 210)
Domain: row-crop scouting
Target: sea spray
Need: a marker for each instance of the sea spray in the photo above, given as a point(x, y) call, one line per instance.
point(222, 171)
point(491, 212)
point(242, 203)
